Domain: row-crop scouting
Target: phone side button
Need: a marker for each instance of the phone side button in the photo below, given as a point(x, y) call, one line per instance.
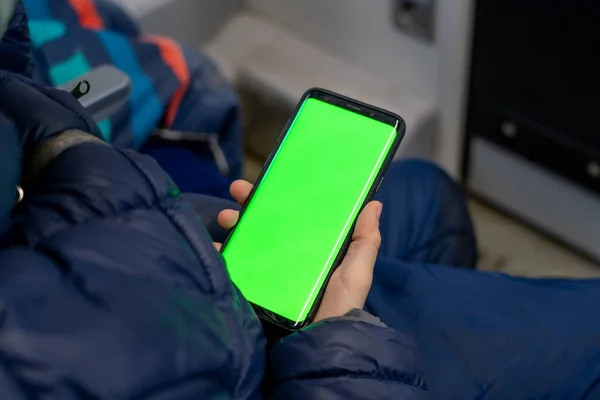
point(379, 185)
point(285, 129)
point(268, 160)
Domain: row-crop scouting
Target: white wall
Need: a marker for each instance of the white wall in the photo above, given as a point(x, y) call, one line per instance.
point(359, 31)
point(454, 26)
point(362, 32)
point(188, 21)
point(140, 8)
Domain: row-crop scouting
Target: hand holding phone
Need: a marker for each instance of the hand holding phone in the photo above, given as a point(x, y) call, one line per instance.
point(297, 223)
point(350, 283)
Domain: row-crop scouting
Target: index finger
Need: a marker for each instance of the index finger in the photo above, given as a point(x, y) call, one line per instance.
point(366, 234)
point(240, 190)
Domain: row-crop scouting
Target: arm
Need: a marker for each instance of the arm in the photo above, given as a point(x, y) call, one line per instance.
point(346, 359)
point(110, 288)
point(347, 353)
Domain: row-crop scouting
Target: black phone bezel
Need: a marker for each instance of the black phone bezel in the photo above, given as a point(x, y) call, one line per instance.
point(278, 322)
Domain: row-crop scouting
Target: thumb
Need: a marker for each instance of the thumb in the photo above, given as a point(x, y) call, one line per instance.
point(350, 283)
point(366, 238)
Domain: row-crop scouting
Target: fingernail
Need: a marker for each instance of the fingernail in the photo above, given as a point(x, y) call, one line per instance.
point(379, 209)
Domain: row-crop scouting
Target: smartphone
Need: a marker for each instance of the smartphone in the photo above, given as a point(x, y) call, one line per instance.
point(297, 223)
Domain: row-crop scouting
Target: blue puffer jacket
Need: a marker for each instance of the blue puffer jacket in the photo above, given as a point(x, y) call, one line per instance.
point(110, 288)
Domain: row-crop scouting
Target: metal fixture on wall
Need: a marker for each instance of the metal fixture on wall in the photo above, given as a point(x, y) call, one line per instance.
point(416, 17)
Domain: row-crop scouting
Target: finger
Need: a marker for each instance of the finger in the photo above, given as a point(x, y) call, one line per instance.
point(366, 238)
point(240, 190)
point(217, 246)
point(228, 218)
point(349, 285)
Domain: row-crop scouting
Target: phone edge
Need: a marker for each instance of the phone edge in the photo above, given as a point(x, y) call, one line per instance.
point(401, 130)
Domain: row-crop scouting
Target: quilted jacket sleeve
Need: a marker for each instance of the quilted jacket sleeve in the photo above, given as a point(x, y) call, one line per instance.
point(114, 291)
point(345, 359)
point(110, 287)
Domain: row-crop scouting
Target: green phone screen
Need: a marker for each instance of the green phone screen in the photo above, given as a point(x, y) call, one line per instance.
point(292, 229)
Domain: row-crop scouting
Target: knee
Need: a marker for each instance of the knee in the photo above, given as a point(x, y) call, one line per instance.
point(423, 207)
point(418, 169)
point(422, 182)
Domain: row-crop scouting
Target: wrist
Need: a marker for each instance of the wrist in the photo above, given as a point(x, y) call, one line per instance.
point(356, 315)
